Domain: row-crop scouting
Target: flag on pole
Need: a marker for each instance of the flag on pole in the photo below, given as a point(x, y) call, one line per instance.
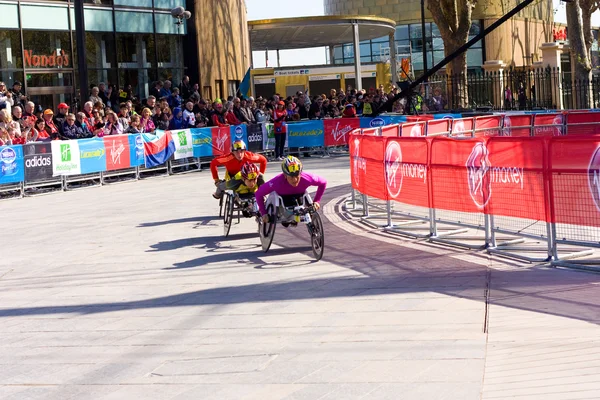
point(158, 148)
point(245, 85)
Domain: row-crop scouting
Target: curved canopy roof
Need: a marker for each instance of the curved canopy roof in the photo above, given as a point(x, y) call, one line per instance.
point(305, 32)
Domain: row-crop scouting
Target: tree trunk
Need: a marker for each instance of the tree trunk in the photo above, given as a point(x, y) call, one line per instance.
point(581, 66)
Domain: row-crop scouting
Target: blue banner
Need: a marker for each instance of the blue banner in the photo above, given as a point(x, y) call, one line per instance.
point(306, 134)
point(12, 167)
point(92, 155)
point(202, 142)
point(446, 116)
point(136, 150)
point(382, 120)
point(239, 132)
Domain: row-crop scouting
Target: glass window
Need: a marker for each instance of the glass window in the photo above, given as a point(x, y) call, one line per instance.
point(175, 75)
point(45, 49)
point(166, 24)
point(169, 3)
point(49, 79)
point(96, 20)
point(366, 59)
point(337, 53)
point(9, 16)
point(474, 57)
point(169, 51)
point(348, 51)
point(365, 49)
point(108, 76)
point(416, 30)
point(475, 28)
point(135, 51)
point(139, 79)
point(10, 77)
point(134, 3)
point(10, 49)
point(134, 22)
point(438, 56)
point(103, 2)
point(401, 32)
point(45, 17)
point(101, 51)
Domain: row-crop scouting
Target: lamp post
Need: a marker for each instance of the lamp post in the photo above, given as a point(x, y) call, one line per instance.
point(180, 13)
point(423, 36)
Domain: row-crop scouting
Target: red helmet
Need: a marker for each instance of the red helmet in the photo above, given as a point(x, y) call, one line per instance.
point(249, 171)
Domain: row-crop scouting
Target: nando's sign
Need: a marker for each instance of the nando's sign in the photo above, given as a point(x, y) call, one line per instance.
point(58, 58)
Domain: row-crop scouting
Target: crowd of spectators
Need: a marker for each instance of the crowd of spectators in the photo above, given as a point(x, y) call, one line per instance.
point(111, 111)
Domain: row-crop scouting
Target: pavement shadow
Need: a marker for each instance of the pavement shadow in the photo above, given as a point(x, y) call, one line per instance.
point(202, 220)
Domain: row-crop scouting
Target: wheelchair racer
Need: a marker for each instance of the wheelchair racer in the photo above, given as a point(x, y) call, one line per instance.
point(233, 163)
point(244, 184)
point(290, 186)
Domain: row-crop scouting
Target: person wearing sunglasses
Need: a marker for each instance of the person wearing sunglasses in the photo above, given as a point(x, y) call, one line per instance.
point(233, 163)
point(291, 186)
point(245, 184)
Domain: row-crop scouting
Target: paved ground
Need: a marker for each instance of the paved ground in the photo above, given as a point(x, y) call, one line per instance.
point(129, 291)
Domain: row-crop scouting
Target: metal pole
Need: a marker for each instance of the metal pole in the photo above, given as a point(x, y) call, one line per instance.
point(278, 60)
point(423, 37)
point(393, 68)
point(357, 72)
point(81, 50)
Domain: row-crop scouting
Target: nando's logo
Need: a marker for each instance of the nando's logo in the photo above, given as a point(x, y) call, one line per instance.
point(594, 177)
point(58, 58)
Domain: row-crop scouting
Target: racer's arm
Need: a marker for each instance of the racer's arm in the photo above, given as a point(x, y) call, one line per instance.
point(319, 182)
point(217, 162)
point(258, 159)
point(264, 191)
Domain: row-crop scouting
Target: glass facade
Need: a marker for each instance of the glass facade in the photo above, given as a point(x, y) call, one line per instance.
point(409, 44)
point(123, 46)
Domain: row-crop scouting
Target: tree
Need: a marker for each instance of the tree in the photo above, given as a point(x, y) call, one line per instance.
point(453, 19)
point(579, 33)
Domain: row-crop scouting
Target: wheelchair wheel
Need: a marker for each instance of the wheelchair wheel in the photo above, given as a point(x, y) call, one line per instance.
point(317, 236)
point(221, 206)
point(267, 231)
point(227, 214)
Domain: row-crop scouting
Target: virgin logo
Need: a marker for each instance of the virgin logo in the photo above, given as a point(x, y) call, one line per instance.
point(221, 139)
point(594, 177)
point(115, 152)
point(358, 163)
point(558, 125)
point(393, 164)
point(416, 131)
point(506, 126)
point(339, 134)
point(458, 128)
point(478, 166)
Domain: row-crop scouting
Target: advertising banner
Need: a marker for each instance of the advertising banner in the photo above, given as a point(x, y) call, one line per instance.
point(117, 152)
point(136, 150)
point(239, 132)
point(306, 134)
point(65, 157)
point(382, 120)
point(92, 155)
point(38, 161)
point(268, 136)
point(413, 129)
point(582, 123)
point(221, 141)
point(358, 167)
point(391, 130)
point(463, 127)
point(183, 144)
point(514, 177)
point(372, 152)
point(337, 130)
point(488, 125)
point(446, 116)
point(406, 170)
point(575, 180)
point(552, 125)
point(11, 164)
point(458, 170)
point(439, 126)
point(517, 125)
point(255, 137)
point(202, 142)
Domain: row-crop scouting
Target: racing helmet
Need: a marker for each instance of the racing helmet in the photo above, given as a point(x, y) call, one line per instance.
point(238, 145)
point(249, 171)
point(291, 166)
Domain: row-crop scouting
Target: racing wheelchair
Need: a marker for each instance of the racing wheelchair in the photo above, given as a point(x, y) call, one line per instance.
point(232, 203)
point(292, 210)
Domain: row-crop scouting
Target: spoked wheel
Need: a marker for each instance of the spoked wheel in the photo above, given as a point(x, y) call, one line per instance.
point(221, 206)
point(317, 236)
point(227, 214)
point(267, 230)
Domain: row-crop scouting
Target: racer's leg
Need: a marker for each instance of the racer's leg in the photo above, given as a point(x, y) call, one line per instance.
point(220, 189)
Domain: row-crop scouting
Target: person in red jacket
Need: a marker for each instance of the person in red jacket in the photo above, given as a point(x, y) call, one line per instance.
point(217, 117)
point(230, 115)
point(280, 129)
point(233, 163)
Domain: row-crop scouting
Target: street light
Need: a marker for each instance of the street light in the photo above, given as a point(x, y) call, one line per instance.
point(180, 13)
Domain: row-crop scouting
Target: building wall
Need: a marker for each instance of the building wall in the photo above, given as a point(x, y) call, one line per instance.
point(223, 48)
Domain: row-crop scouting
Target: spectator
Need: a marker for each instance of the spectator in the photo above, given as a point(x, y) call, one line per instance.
point(134, 126)
point(17, 93)
point(155, 91)
point(174, 100)
point(280, 129)
point(95, 96)
point(4, 138)
point(39, 132)
point(6, 98)
point(260, 115)
point(178, 121)
point(146, 123)
point(51, 127)
point(316, 109)
point(151, 102)
point(87, 110)
point(217, 117)
point(196, 91)
point(349, 111)
point(113, 126)
point(69, 130)
point(185, 89)
point(126, 93)
point(124, 117)
point(164, 120)
point(80, 119)
point(202, 114)
point(61, 115)
point(230, 115)
point(23, 125)
point(237, 110)
point(246, 112)
point(189, 117)
point(113, 98)
point(17, 137)
point(166, 92)
point(302, 106)
point(102, 93)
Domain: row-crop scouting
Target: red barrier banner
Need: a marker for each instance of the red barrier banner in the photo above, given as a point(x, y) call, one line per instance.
point(462, 127)
point(358, 167)
point(370, 131)
point(221, 140)
point(117, 152)
point(413, 129)
point(517, 125)
point(337, 130)
point(583, 123)
point(574, 166)
point(513, 177)
point(372, 150)
point(419, 118)
point(458, 169)
point(439, 126)
point(390, 130)
point(488, 125)
point(406, 170)
point(548, 125)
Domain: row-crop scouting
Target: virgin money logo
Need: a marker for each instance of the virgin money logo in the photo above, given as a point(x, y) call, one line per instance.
point(458, 128)
point(393, 164)
point(358, 163)
point(594, 177)
point(416, 131)
point(221, 140)
point(478, 165)
point(115, 152)
point(377, 122)
point(506, 126)
point(340, 133)
point(558, 125)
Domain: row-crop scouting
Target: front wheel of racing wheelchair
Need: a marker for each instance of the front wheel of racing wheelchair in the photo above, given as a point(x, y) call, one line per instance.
point(279, 212)
point(234, 203)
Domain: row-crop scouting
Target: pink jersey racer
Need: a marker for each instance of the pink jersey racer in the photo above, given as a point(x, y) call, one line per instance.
point(280, 186)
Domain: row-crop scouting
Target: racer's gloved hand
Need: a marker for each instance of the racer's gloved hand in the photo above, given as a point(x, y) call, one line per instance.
point(217, 181)
point(265, 218)
point(316, 206)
